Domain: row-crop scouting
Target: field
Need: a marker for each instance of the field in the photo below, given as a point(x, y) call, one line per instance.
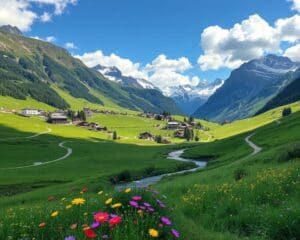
point(40, 160)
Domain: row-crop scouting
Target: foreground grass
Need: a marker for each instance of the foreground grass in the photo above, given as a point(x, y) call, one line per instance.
point(255, 197)
point(127, 215)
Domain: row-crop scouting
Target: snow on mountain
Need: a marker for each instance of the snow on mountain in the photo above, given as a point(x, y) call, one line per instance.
point(115, 75)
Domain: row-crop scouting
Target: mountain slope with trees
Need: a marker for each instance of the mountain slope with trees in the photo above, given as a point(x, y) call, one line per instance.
point(30, 68)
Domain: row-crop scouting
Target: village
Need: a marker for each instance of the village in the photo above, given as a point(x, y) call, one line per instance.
point(180, 129)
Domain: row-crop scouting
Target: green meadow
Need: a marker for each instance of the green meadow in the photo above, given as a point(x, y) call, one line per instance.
point(237, 196)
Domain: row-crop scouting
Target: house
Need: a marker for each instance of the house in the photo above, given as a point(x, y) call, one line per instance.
point(58, 118)
point(87, 112)
point(172, 125)
point(179, 133)
point(146, 136)
point(30, 112)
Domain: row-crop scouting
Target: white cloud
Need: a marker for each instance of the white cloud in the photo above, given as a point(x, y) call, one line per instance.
point(293, 53)
point(70, 45)
point(16, 13)
point(288, 28)
point(19, 13)
point(231, 47)
point(127, 67)
point(296, 5)
point(162, 72)
point(46, 17)
point(46, 39)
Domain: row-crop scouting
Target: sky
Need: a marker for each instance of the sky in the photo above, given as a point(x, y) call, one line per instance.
point(168, 42)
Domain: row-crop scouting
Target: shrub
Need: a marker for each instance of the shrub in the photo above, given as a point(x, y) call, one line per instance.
point(290, 152)
point(286, 112)
point(239, 174)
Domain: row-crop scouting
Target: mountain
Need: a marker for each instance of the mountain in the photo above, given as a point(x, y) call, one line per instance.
point(114, 74)
point(189, 97)
point(30, 67)
point(289, 94)
point(10, 29)
point(248, 89)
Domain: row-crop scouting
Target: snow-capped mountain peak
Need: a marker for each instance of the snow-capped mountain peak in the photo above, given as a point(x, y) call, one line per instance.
point(115, 74)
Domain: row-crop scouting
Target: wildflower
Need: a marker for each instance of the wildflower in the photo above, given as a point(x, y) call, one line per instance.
point(101, 217)
point(54, 214)
point(127, 190)
point(99, 193)
point(140, 212)
point(116, 205)
point(133, 204)
point(105, 237)
point(95, 225)
point(108, 201)
point(115, 220)
point(83, 191)
point(69, 206)
point(41, 225)
point(70, 238)
point(78, 201)
point(175, 233)
point(50, 199)
point(166, 221)
point(73, 226)
point(147, 204)
point(153, 233)
point(136, 198)
point(89, 233)
point(63, 199)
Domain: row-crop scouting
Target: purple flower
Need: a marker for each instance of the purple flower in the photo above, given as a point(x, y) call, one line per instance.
point(166, 221)
point(150, 209)
point(133, 204)
point(70, 238)
point(175, 233)
point(162, 205)
point(95, 225)
point(147, 204)
point(105, 237)
point(142, 207)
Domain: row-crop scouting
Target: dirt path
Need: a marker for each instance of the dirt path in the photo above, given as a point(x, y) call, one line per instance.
point(256, 149)
point(49, 130)
point(35, 164)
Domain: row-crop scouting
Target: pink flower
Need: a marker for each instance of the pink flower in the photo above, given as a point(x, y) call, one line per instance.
point(136, 198)
point(166, 221)
point(175, 233)
point(133, 204)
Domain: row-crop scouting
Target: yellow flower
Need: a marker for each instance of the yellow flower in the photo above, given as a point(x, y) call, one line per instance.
point(108, 201)
point(116, 205)
point(153, 233)
point(68, 206)
point(127, 190)
point(78, 201)
point(140, 212)
point(54, 214)
point(99, 193)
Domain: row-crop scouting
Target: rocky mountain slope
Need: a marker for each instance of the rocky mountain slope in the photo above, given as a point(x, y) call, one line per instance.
point(248, 89)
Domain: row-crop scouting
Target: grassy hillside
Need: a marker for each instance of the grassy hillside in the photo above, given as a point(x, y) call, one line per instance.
point(254, 197)
point(44, 72)
point(289, 94)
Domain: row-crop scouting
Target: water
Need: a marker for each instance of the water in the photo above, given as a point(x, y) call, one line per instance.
point(175, 155)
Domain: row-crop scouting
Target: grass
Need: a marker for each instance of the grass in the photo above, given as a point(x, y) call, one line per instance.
point(254, 197)
point(222, 193)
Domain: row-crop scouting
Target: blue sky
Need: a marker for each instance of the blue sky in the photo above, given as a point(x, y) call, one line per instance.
point(142, 30)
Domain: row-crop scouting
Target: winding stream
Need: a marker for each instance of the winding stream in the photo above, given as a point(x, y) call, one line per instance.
point(175, 155)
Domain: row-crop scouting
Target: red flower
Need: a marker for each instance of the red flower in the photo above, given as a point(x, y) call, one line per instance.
point(50, 199)
point(84, 190)
point(115, 220)
point(101, 217)
point(89, 233)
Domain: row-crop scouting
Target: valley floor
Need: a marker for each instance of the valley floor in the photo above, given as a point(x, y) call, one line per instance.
point(249, 189)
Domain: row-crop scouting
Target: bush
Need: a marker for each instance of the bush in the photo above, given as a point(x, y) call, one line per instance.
point(289, 153)
point(286, 112)
point(239, 174)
